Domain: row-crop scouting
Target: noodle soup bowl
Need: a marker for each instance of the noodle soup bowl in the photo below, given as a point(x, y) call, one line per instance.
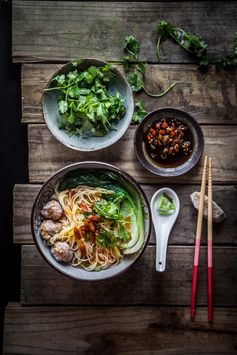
point(48, 190)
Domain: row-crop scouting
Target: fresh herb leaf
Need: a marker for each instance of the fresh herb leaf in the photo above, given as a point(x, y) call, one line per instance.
point(108, 209)
point(85, 105)
point(141, 67)
point(131, 49)
point(192, 43)
point(139, 112)
point(107, 240)
point(60, 79)
point(136, 81)
point(228, 60)
point(136, 73)
point(132, 46)
point(62, 106)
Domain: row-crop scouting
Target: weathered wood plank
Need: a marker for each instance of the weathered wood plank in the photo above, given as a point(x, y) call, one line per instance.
point(126, 330)
point(64, 30)
point(46, 155)
point(183, 231)
point(210, 98)
point(40, 284)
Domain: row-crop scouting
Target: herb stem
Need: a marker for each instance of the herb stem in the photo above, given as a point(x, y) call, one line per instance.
point(161, 94)
point(133, 54)
point(55, 88)
point(158, 48)
point(62, 88)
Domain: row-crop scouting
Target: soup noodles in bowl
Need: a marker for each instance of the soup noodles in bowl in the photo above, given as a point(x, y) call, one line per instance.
point(91, 221)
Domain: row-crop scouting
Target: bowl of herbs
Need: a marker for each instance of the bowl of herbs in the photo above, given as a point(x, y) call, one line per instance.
point(87, 104)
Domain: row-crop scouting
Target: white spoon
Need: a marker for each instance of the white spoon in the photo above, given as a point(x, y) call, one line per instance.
point(163, 225)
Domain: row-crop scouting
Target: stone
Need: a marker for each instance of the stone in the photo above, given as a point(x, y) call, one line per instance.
point(217, 213)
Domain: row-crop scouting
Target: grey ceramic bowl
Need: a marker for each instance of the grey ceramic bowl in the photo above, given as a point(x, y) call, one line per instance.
point(51, 113)
point(44, 195)
point(197, 141)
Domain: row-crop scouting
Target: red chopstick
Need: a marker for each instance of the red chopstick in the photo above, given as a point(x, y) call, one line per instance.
point(197, 243)
point(209, 246)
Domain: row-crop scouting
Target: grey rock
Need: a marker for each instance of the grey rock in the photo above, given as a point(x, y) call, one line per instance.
point(217, 213)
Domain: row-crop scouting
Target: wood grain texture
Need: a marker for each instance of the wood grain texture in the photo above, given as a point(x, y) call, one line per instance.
point(64, 30)
point(126, 330)
point(182, 233)
point(41, 284)
point(210, 98)
point(46, 155)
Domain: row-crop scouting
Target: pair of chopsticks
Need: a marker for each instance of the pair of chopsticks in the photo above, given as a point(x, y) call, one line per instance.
point(198, 241)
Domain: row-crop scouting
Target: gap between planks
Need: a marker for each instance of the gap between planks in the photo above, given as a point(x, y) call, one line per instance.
point(182, 233)
point(120, 330)
point(210, 98)
point(47, 155)
point(41, 30)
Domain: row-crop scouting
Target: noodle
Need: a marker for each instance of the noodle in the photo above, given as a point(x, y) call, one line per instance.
point(81, 226)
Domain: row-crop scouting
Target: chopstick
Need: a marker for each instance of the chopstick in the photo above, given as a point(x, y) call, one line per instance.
point(209, 240)
point(197, 243)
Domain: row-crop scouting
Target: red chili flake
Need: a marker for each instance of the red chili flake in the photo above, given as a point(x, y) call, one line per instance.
point(153, 132)
point(83, 206)
point(95, 217)
point(164, 124)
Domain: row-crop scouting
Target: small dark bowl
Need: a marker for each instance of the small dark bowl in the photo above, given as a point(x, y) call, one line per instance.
point(172, 169)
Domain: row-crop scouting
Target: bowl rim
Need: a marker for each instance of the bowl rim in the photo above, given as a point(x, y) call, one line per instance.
point(103, 62)
point(122, 173)
point(196, 125)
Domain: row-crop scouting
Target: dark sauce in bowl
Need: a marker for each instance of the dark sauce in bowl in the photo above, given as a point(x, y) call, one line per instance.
point(168, 142)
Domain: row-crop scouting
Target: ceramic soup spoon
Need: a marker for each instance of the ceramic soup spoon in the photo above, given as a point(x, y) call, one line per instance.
point(163, 225)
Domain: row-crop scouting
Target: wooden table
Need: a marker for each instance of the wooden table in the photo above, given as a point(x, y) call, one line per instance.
point(141, 311)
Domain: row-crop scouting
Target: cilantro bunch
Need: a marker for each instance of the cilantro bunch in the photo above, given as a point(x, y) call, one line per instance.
point(190, 42)
point(86, 107)
point(135, 73)
point(195, 46)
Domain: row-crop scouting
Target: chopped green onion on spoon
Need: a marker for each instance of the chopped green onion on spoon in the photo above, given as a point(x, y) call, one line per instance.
point(165, 205)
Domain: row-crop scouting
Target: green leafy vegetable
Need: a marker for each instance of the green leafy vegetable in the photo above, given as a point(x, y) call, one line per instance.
point(228, 60)
point(165, 205)
point(136, 73)
point(131, 49)
point(122, 232)
point(111, 207)
point(139, 112)
point(86, 107)
point(190, 42)
point(107, 239)
point(136, 81)
point(124, 201)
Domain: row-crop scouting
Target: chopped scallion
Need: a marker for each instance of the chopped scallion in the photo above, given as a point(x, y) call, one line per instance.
point(165, 205)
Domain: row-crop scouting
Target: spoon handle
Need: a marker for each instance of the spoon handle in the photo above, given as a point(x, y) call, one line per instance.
point(161, 249)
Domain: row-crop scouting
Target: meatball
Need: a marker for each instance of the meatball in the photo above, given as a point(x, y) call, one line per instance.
point(52, 210)
point(62, 252)
point(48, 228)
